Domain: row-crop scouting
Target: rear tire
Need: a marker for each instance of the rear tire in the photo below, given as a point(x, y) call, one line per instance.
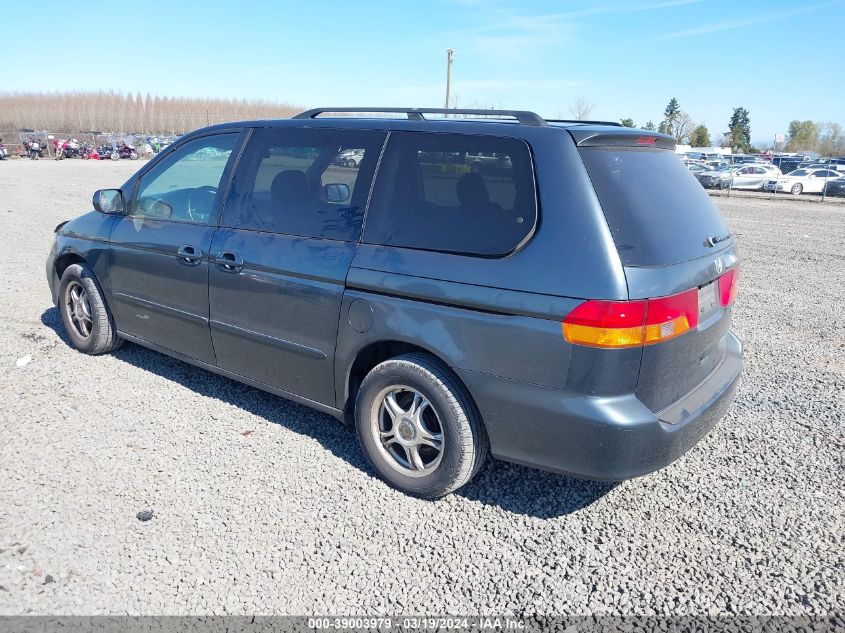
point(86, 317)
point(434, 441)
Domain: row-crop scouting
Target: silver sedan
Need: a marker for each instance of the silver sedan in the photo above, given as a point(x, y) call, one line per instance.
point(744, 177)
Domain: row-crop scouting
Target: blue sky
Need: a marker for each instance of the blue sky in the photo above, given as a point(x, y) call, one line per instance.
point(776, 58)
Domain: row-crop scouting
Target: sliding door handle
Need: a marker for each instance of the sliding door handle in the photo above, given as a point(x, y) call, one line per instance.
point(229, 262)
point(189, 255)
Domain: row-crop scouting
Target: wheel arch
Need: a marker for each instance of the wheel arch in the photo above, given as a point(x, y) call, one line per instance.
point(65, 260)
point(60, 265)
point(377, 352)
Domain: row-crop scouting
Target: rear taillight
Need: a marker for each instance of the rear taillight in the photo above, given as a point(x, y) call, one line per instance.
point(606, 323)
point(619, 324)
point(728, 287)
point(669, 317)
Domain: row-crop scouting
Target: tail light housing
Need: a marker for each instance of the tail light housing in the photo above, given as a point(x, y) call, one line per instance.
point(620, 324)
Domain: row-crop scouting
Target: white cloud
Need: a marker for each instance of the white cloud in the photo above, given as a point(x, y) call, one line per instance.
point(726, 25)
point(511, 34)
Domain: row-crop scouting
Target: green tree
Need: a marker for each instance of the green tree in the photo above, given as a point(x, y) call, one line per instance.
point(670, 116)
point(700, 137)
point(650, 126)
point(739, 130)
point(629, 122)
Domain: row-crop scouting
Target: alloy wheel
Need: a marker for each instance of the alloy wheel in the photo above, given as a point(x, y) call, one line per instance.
point(407, 431)
point(79, 309)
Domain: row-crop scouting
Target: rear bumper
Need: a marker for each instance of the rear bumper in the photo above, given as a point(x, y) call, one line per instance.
point(607, 438)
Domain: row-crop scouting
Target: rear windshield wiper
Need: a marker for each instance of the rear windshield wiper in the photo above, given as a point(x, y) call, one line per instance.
point(710, 242)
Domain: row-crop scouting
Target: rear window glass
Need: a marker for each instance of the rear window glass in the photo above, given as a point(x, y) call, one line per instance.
point(657, 211)
point(456, 193)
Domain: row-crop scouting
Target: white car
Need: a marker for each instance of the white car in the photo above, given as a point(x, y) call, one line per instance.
point(747, 176)
point(802, 181)
point(350, 158)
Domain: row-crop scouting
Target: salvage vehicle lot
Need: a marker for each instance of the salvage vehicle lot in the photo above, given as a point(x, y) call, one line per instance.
point(263, 506)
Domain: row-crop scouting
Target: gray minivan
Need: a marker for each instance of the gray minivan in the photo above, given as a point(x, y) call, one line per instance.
point(564, 305)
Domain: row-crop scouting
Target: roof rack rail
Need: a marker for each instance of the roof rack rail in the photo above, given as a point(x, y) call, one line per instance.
point(524, 117)
point(584, 122)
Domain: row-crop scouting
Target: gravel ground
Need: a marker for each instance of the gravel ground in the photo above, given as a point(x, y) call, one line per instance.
point(263, 506)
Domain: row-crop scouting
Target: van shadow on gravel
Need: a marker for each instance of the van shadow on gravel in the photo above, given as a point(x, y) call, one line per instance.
point(514, 488)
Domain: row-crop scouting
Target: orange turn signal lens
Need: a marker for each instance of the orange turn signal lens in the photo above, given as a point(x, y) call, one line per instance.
point(620, 324)
point(606, 324)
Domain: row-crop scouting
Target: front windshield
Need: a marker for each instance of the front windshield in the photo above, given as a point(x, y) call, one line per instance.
point(799, 172)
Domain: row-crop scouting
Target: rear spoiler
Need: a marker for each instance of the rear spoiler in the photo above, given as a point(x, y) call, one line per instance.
point(589, 136)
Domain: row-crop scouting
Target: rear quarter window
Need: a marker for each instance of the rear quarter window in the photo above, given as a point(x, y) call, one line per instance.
point(657, 211)
point(465, 194)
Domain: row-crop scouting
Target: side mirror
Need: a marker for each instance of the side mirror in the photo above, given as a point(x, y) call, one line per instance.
point(109, 201)
point(336, 192)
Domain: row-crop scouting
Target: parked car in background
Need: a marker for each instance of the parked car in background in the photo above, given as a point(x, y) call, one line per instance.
point(802, 181)
point(748, 176)
point(349, 158)
point(787, 164)
point(568, 309)
point(712, 178)
point(737, 159)
point(697, 168)
point(835, 187)
point(837, 164)
point(488, 162)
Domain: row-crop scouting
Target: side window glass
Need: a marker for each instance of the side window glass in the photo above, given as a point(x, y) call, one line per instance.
point(183, 186)
point(457, 193)
point(313, 183)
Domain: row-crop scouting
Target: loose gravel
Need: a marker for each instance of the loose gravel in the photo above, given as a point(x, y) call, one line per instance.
point(263, 506)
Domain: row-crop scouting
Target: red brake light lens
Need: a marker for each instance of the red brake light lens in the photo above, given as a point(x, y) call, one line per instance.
point(669, 317)
point(606, 323)
point(728, 287)
point(619, 324)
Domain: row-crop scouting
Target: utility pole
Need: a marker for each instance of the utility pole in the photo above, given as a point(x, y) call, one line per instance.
point(450, 57)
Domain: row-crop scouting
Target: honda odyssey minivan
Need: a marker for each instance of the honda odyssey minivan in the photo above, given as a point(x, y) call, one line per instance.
point(568, 309)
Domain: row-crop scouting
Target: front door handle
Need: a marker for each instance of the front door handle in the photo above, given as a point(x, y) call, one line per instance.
point(229, 262)
point(189, 255)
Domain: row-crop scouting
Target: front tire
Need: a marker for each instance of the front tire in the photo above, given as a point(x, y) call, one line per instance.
point(86, 317)
point(797, 189)
point(418, 426)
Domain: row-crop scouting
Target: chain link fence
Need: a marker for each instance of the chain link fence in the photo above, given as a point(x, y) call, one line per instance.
point(770, 176)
